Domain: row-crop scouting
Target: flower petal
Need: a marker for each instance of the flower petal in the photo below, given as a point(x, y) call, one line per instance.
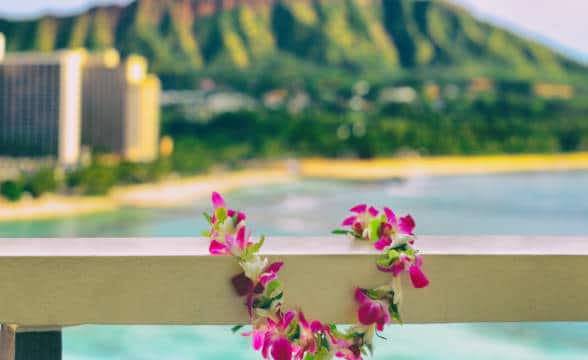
point(349, 221)
point(265, 278)
point(418, 278)
point(397, 267)
point(241, 243)
point(382, 243)
point(358, 209)
point(217, 200)
point(360, 296)
point(302, 320)
point(288, 317)
point(282, 349)
point(373, 211)
point(274, 267)
point(217, 248)
point(368, 313)
point(382, 268)
point(418, 260)
point(406, 225)
point(242, 284)
point(258, 337)
point(316, 326)
point(390, 215)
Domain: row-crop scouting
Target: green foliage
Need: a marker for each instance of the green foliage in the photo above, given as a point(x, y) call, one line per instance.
point(511, 122)
point(43, 181)
point(355, 38)
point(96, 179)
point(12, 190)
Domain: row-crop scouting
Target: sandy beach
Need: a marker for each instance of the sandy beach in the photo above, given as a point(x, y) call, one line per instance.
point(184, 191)
point(168, 193)
point(386, 168)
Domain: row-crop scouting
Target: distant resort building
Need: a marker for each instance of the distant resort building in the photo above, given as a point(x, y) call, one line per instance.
point(120, 107)
point(40, 105)
point(2, 46)
point(53, 104)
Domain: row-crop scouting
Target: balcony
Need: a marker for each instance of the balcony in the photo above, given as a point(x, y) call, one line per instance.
point(47, 284)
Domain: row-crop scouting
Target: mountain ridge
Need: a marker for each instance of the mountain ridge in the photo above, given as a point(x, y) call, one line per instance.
point(392, 37)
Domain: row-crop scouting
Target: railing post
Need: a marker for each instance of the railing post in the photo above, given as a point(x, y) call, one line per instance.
point(28, 344)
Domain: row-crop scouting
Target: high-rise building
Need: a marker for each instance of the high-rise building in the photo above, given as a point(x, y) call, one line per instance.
point(52, 103)
point(120, 106)
point(2, 46)
point(40, 98)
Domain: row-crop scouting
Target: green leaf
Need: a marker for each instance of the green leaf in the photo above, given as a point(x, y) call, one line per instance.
point(323, 354)
point(237, 328)
point(207, 217)
point(384, 261)
point(255, 247)
point(394, 311)
point(393, 255)
point(374, 228)
point(340, 232)
point(221, 214)
point(370, 348)
point(401, 247)
point(273, 286)
point(206, 233)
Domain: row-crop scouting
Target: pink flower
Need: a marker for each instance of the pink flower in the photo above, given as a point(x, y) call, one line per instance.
point(307, 341)
point(383, 243)
point(361, 218)
point(395, 229)
point(217, 200)
point(229, 224)
point(269, 336)
point(418, 278)
point(342, 348)
point(233, 245)
point(270, 273)
point(276, 337)
point(282, 349)
point(404, 225)
point(404, 262)
point(397, 266)
point(253, 288)
point(372, 311)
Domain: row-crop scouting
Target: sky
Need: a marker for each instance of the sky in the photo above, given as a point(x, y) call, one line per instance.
point(562, 24)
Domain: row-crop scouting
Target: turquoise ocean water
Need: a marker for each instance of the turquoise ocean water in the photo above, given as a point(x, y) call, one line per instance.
point(521, 204)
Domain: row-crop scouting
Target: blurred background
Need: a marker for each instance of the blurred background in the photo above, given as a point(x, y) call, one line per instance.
point(117, 118)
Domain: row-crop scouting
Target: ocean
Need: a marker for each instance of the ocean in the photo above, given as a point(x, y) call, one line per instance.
point(510, 204)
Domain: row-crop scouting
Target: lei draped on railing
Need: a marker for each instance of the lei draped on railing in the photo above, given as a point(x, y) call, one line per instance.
point(286, 335)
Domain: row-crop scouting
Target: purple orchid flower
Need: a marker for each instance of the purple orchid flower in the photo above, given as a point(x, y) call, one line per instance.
point(233, 245)
point(307, 341)
point(372, 311)
point(360, 220)
point(394, 230)
point(341, 348)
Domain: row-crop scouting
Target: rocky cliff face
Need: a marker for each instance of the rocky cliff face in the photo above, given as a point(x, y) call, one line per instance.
point(359, 36)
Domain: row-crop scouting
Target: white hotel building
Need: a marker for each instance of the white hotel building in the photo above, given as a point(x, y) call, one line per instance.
point(53, 103)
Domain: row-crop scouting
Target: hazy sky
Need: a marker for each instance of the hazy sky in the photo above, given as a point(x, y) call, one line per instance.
point(562, 23)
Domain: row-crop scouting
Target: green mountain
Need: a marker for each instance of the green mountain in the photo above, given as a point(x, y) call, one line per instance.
point(285, 41)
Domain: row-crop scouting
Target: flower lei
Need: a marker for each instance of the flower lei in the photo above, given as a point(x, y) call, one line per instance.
point(287, 335)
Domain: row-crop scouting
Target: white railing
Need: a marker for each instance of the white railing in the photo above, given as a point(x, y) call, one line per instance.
point(50, 283)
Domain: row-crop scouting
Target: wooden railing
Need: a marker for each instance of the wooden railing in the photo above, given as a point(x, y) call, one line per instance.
point(46, 284)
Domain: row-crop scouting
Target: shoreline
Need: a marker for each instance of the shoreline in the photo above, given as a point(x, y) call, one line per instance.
point(390, 168)
point(164, 194)
point(184, 191)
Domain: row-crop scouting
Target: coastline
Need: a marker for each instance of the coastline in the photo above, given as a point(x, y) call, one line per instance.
point(387, 168)
point(167, 193)
point(184, 191)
